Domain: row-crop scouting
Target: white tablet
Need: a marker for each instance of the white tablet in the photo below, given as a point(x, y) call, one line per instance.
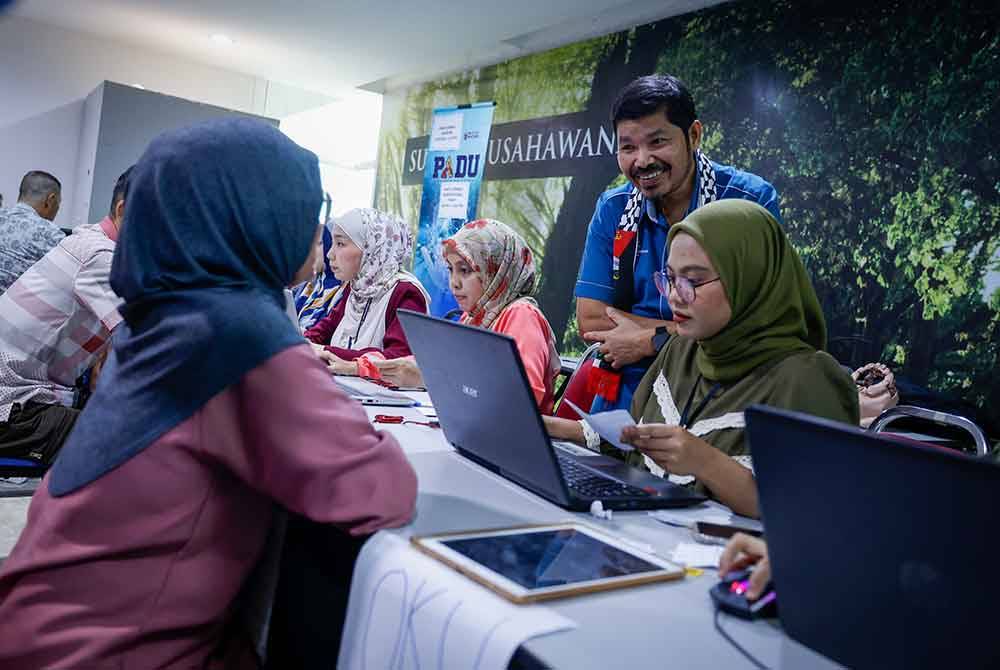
point(532, 563)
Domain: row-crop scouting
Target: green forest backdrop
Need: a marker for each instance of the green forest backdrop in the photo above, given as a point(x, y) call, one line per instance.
point(878, 123)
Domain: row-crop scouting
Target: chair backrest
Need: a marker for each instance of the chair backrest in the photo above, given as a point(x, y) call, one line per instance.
point(21, 467)
point(19, 487)
point(575, 389)
point(931, 419)
point(19, 477)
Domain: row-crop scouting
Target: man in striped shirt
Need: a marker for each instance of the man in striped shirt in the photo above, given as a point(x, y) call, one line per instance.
point(55, 322)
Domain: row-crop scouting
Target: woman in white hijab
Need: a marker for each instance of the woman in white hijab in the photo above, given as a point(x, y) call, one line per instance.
point(370, 252)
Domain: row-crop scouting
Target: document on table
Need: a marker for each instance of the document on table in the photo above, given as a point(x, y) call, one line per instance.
point(709, 512)
point(408, 611)
point(607, 424)
point(693, 555)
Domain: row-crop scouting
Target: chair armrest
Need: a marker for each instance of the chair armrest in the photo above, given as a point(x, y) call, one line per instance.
point(902, 411)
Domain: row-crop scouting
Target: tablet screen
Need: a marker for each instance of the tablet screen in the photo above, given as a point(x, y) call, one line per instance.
point(546, 558)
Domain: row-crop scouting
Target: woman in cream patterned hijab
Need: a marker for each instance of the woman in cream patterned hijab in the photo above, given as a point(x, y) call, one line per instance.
point(371, 250)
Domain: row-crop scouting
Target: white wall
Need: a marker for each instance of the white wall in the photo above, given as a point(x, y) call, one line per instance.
point(48, 142)
point(344, 134)
point(43, 67)
point(88, 143)
point(45, 74)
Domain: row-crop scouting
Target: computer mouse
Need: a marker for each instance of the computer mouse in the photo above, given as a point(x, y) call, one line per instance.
point(729, 595)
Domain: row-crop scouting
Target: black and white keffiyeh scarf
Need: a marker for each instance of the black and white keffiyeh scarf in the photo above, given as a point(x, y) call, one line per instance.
point(635, 207)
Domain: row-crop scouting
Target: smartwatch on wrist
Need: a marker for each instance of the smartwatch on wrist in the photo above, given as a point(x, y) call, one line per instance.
point(660, 338)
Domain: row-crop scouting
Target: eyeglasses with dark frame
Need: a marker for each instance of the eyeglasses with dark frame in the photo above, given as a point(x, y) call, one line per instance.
point(685, 287)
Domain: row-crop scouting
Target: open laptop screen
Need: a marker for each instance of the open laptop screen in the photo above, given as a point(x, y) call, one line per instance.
point(880, 551)
point(484, 403)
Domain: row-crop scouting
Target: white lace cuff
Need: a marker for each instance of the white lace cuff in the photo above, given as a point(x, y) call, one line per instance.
point(657, 471)
point(746, 461)
point(590, 437)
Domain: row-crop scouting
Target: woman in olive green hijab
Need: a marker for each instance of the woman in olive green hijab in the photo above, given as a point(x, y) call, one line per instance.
point(749, 330)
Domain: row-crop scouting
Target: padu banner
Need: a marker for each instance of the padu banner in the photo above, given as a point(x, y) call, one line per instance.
point(453, 172)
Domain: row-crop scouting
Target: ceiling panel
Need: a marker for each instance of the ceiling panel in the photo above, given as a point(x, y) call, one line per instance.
point(332, 45)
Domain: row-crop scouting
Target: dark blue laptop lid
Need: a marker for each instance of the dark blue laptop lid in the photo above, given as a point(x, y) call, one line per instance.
point(881, 551)
point(483, 400)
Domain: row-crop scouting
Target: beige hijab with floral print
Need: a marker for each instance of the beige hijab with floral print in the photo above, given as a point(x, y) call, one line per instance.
point(503, 261)
point(386, 250)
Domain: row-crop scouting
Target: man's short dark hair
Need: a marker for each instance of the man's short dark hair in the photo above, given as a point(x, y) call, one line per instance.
point(36, 185)
point(121, 190)
point(653, 93)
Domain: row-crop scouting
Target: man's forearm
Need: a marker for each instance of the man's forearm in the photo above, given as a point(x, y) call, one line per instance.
point(592, 316)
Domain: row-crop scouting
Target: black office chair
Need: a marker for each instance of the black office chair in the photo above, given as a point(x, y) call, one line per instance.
point(948, 430)
point(19, 469)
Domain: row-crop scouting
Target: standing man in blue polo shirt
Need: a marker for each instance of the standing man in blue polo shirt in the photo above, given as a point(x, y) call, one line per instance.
point(617, 303)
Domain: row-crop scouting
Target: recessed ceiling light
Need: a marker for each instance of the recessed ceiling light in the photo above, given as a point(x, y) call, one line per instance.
point(222, 40)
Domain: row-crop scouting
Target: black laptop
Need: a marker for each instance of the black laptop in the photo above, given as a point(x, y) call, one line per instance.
point(488, 412)
point(882, 553)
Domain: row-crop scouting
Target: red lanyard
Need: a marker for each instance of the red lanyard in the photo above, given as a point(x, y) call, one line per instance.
point(397, 419)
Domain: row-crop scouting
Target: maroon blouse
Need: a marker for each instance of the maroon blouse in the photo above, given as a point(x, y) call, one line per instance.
point(140, 568)
point(394, 344)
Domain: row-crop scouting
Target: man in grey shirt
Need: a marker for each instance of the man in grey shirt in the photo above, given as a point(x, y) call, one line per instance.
point(26, 229)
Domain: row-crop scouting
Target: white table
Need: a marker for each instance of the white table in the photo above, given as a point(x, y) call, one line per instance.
point(666, 625)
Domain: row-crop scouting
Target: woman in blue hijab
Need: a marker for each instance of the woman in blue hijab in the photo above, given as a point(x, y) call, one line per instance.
point(210, 409)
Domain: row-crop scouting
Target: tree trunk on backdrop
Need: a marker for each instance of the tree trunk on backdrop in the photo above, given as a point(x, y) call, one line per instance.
point(923, 337)
point(624, 61)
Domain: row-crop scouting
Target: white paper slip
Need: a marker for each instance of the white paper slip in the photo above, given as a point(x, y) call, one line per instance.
point(453, 202)
point(408, 611)
point(446, 132)
point(607, 424)
point(694, 555)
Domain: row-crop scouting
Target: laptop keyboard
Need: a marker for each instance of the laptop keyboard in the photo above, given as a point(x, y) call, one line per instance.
point(587, 484)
